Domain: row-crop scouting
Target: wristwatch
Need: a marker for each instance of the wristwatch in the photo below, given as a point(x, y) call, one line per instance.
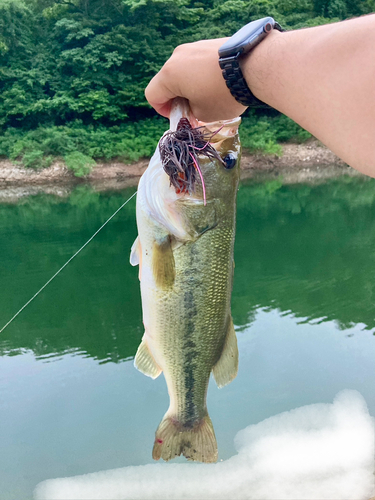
point(239, 44)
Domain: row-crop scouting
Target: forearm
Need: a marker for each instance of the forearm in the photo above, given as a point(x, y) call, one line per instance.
point(324, 79)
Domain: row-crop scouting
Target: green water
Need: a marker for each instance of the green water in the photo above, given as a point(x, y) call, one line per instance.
point(71, 401)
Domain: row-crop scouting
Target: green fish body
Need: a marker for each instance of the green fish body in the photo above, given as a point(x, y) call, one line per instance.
point(185, 253)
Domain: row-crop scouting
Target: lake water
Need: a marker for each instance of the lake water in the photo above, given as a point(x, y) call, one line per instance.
point(71, 401)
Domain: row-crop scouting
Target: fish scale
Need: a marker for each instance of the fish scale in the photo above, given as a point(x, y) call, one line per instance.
point(198, 321)
point(185, 252)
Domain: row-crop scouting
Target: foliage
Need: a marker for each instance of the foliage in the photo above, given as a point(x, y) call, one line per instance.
point(80, 164)
point(263, 133)
point(36, 159)
point(72, 70)
point(129, 141)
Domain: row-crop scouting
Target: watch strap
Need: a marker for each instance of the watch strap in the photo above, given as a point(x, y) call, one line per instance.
point(236, 82)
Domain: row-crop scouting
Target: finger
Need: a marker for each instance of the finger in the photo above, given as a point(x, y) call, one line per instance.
point(159, 95)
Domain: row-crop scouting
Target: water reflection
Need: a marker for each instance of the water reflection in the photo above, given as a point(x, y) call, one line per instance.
point(308, 251)
point(93, 306)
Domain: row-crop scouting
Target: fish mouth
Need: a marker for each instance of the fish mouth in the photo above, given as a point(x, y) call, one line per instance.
point(189, 139)
point(179, 152)
point(220, 130)
point(224, 128)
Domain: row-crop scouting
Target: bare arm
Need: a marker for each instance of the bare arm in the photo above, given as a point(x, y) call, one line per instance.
point(323, 78)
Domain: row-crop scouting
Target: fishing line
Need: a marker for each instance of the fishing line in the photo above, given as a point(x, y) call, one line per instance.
point(66, 263)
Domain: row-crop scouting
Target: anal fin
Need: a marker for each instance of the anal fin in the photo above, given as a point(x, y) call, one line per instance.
point(226, 367)
point(145, 362)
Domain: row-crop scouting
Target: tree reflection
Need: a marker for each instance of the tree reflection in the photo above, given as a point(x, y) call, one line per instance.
point(93, 306)
point(309, 250)
point(305, 250)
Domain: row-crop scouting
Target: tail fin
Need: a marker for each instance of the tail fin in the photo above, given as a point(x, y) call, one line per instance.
point(197, 443)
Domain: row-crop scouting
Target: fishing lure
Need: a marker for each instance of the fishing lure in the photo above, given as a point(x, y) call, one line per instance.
point(179, 154)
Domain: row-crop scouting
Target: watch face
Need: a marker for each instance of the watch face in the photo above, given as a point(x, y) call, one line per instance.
point(247, 37)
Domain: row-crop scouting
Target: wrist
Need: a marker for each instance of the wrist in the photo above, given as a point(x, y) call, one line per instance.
point(244, 41)
point(260, 66)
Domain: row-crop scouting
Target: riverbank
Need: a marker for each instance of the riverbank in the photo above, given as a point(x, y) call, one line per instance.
point(307, 162)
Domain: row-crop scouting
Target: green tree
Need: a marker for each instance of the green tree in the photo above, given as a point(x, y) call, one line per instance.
point(84, 64)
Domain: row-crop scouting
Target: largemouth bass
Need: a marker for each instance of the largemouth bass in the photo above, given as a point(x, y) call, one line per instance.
point(184, 250)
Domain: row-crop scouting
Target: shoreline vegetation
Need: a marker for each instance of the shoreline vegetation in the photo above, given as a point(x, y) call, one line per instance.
point(80, 147)
point(73, 73)
point(310, 162)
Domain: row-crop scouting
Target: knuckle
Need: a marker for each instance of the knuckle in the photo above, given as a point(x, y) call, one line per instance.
point(167, 69)
point(183, 48)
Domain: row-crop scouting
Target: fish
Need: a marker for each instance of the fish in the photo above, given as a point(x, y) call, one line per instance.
point(184, 250)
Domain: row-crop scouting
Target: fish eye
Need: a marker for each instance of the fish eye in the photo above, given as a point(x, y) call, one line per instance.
point(230, 161)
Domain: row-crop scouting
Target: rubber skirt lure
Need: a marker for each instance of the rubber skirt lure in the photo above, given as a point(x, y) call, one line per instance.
point(179, 154)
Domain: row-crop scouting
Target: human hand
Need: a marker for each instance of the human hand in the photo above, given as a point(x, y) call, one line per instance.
point(193, 72)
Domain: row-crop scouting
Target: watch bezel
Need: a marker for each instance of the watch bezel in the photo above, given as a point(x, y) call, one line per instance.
point(247, 37)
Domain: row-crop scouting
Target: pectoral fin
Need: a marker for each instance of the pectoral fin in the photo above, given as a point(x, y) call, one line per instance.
point(163, 263)
point(135, 252)
point(136, 256)
point(226, 368)
point(145, 362)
